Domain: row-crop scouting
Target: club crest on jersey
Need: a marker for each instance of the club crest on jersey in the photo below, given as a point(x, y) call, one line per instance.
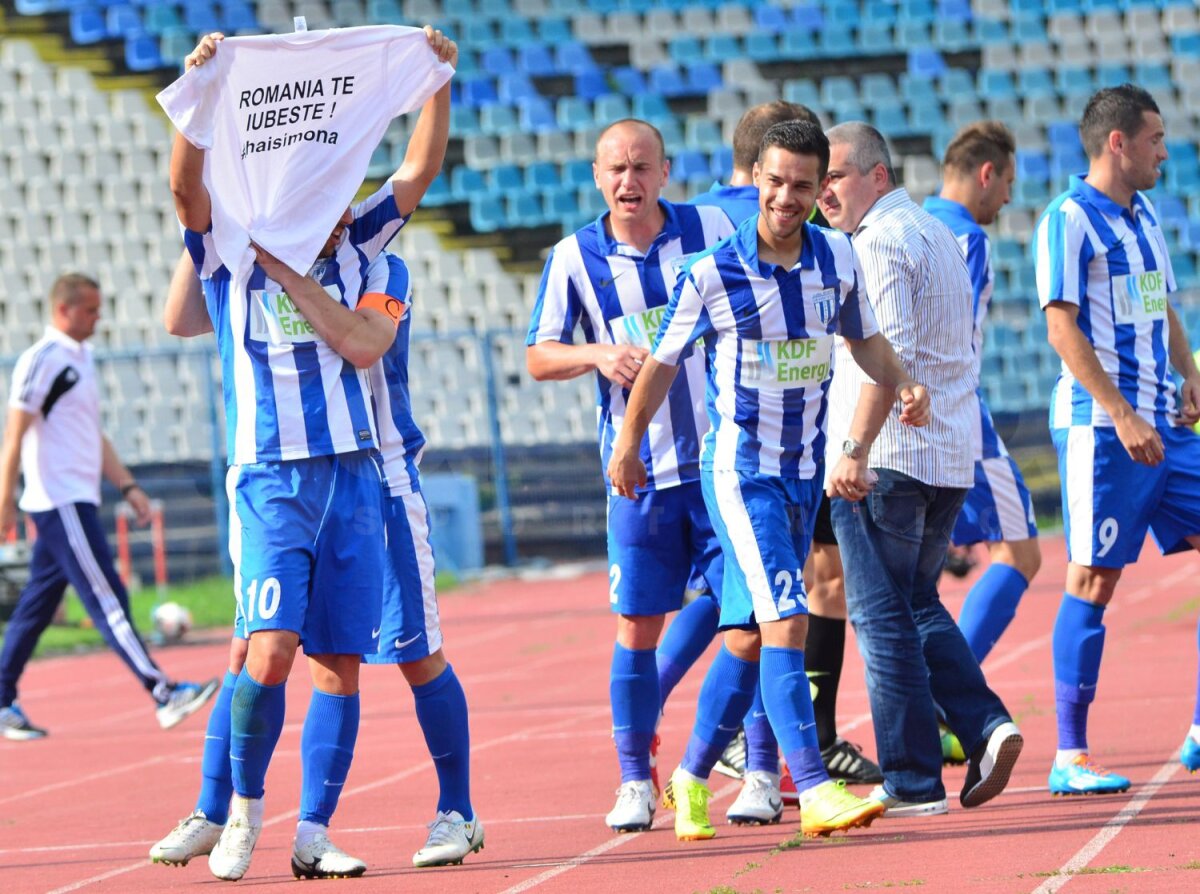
point(825, 303)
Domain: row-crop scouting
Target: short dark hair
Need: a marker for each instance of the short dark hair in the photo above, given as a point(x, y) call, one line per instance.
point(748, 135)
point(1113, 108)
point(799, 137)
point(662, 146)
point(978, 143)
point(867, 147)
point(67, 287)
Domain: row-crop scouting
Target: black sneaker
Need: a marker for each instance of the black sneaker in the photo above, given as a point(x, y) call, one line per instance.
point(844, 760)
point(732, 762)
point(16, 726)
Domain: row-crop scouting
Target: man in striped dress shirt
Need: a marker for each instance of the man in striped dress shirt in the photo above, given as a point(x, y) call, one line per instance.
point(612, 278)
point(894, 542)
point(1126, 458)
point(766, 304)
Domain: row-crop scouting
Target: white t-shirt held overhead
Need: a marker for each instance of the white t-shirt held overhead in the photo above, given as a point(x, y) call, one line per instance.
point(289, 122)
point(61, 452)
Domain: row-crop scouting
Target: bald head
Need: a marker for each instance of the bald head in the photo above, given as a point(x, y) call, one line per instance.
point(630, 130)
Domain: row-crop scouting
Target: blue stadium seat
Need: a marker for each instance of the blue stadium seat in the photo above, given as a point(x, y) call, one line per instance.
point(464, 120)
point(535, 60)
point(438, 192)
point(653, 108)
point(487, 214)
point(762, 47)
point(703, 133)
point(498, 119)
point(517, 33)
point(811, 18)
point(994, 84)
point(912, 35)
point(496, 60)
point(722, 47)
point(837, 42)
point(1111, 74)
point(925, 62)
point(542, 175)
point(1186, 44)
point(123, 19)
point(684, 49)
point(573, 57)
point(1035, 82)
point(1153, 76)
point(1074, 81)
point(174, 44)
point(505, 179)
point(467, 183)
point(629, 80)
point(87, 25)
point(800, 43)
point(987, 32)
point(878, 88)
point(141, 53)
point(838, 89)
point(959, 10)
point(560, 204)
point(200, 16)
point(720, 164)
point(1032, 165)
point(916, 87)
point(875, 38)
point(578, 173)
point(516, 87)
point(955, 83)
point(803, 91)
point(918, 11)
point(380, 164)
point(703, 78)
point(952, 35)
point(238, 15)
point(159, 18)
point(573, 113)
point(611, 108)
point(537, 115)
point(591, 84)
point(690, 165)
point(667, 80)
point(925, 116)
point(770, 18)
point(554, 30)
point(891, 120)
point(385, 11)
point(478, 91)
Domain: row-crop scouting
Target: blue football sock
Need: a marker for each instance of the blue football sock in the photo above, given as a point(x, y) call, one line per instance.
point(789, 705)
point(727, 691)
point(1196, 713)
point(990, 607)
point(1078, 645)
point(762, 748)
point(216, 779)
point(326, 750)
point(633, 691)
point(685, 641)
point(442, 712)
point(255, 722)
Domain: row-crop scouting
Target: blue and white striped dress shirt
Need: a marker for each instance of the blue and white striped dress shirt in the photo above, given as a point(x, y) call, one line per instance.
point(921, 293)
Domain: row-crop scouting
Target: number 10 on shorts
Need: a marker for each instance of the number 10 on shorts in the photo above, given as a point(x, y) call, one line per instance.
point(260, 602)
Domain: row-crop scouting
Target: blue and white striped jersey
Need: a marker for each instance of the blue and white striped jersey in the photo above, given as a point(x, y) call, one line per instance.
point(617, 295)
point(400, 441)
point(977, 249)
point(287, 394)
point(769, 336)
point(1113, 264)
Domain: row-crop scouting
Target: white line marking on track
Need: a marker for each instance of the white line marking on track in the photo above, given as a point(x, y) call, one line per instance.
point(1111, 829)
point(614, 842)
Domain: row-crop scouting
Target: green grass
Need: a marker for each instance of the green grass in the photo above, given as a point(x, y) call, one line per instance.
point(210, 600)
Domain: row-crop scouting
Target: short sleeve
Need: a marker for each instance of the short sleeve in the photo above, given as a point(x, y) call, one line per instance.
point(377, 220)
point(558, 305)
point(855, 317)
point(388, 275)
point(1061, 255)
point(32, 377)
point(192, 99)
point(685, 321)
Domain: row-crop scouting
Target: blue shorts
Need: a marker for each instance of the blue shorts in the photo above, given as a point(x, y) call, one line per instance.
point(998, 507)
point(409, 629)
point(306, 539)
point(765, 525)
point(1109, 501)
point(658, 546)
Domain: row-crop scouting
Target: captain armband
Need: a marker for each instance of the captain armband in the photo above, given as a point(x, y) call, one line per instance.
point(392, 308)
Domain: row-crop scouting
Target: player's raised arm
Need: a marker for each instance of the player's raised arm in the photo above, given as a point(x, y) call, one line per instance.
point(361, 336)
point(427, 146)
point(192, 202)
point(185, 313)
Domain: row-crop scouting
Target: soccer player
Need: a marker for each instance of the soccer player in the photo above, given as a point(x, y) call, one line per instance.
point(53, 435)
point(305, 483)
point(755, 755)
point(613, 278)
point(766, 303)
point(979, 168)
point(1126, 458)
point(894, 543)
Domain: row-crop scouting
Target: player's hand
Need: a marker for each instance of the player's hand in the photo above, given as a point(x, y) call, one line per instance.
point(1189, 401)
point(139, 502)
point(626, 470)
point(8, 518)
point(1140, 440)
point(851, 479)
point(205, 50)
point(621, 363)
point(914, 404)
point(272, 266)
point(446, 49)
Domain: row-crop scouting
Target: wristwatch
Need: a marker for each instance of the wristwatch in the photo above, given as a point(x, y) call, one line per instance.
point(853, 449)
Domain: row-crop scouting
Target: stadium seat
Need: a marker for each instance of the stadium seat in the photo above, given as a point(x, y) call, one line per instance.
point(141, 53)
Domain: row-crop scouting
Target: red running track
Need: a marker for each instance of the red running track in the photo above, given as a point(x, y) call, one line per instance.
point(79, 810)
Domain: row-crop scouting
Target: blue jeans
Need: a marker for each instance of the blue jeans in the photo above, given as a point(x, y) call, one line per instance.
point(893, 547)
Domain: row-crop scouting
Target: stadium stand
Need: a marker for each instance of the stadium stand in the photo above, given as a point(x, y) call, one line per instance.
point(84, 168)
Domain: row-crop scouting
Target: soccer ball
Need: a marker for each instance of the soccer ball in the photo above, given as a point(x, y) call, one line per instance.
point(172, 621)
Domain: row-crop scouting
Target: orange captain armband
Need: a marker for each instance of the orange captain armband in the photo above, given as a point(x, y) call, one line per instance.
point(392, 308)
